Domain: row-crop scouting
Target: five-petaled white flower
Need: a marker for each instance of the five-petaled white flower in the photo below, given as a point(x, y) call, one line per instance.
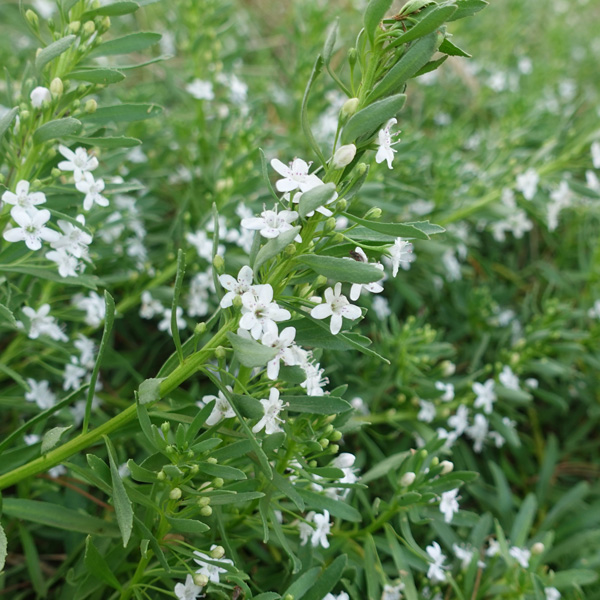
point(221, 410)
point(373, 287)
point(79, 162)
point(272, 407)
point(23, 197)
point(521, 555)
point(283, 343)
point(435, 573)
point(392, 592)
point(508, 379)
point(31, 228)
point(401, 255)
point(212, 571)
point(236, 287)
point(201, 90)
point(187, 591)
point(40, 393)
point(272, 223)
point(448, 390)
point(295, 176)
point(449, 504)
point(485, 395)
point(41, 323)
point(74, 240)
point(260, 313)
point(67, 263)
point(336, 306)
point(385, 150)
point(527, 183)
point(317, 534)
point(92, 188)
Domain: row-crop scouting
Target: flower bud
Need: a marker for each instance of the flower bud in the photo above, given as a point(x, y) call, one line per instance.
point(105, 24)
point(200, 580)
point(407, 479)
point(218, 482)
point(175, 493)
point(220, 353)
point(200, 328)
point(237, 302)
point(203, 501)
point(74, 26)
point(352, 56)
point(212, 460)
point(290, 250)
point(89, 27)
point(90, 106)
point(217, 552)
point(341, 204)
point(206, 511)
point(349, 108)
point(324, 443)
point(334, 448)
point(373, 213)
point(343, 156)
point(328, 429)
point(338, 238)
point(329, 224)
point(194, 469)
point(161, 475)
point(447, 467)
point(170, 449)
point(219, 263)
point(320, 280)
point(313, 463)
point(32, 18)
point(435, 461)
point(165, 427)
point(336, 436)
point(56, 86)
point(537, 548)
point(39, 96)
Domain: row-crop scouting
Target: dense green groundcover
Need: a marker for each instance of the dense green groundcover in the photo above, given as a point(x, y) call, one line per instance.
point(204, 388)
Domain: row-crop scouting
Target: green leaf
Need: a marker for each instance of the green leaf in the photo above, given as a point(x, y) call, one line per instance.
point(223, 471)
point(374, 14)
point(283, 540)
point(149, 390)
point(384, 467)
point(114, 9)
point(53, 50)
point(416, 57)
point(97, 566)
point(523, 521)
point(317, 67)
point(564, 580)
point(221, 498)
point(335, 507)
point(51, 275)
point(98, 76)
point(122, 113)
point(431, 20)
point(330, 41)
point(7, 119)
point(432, 65)
point(315, 198)
point(303, 584)
point(56, 129)
point(274, 247)
point(248, 406)
point(420, 230)
point(140, 473)
point(371, 118)
point(288, 489)
point(317, 405)
point(107, 142)
point(3, 548)
point(401, 563)
point(467, 8)
point(59, 517)
point(7, 317)
point(328, 580)
point(449, 48)
point(32, 559)
point(249, 352)
point(341, 269)
point(122, 503)
point(133, 42)
point(188, 526)
point(52, 437)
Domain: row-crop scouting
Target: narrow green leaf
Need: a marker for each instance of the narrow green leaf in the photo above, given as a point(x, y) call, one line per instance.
point(267, 180)
point(122, 113)
point(122, 503)
point(52, 437)
point(330, 41)
point(248, 406)
point(149, 390)
point(107, 142)
point(97, 566)
point(274, 247)
point(341, 269)
point(133, 42)
point(564, 580)
point(98, 76)
point(429, 22)
point(198, 421)
point(432, 65)
point(384, 467)
point(188, 526)
point(282, 539)
point(56, 129)
point(7, 119)
point(401, 563)
point(114, 9)
point(222, 498)
point(53, 50)
point(59, 517)
point(316, 405)
point(140, 473)
point(374, 14)
point(371, 568)
point(3, 548)
point(416, 57)
point(315, 198)
point(288, 489)
point(523, 521)
point(7, 317)
point(147, 534)
point(176, 293)
point(449, 48)
point(32, 559)
point(372, 118)
point(420, 230)
point(249, 352)
point(223, 471)
point(51, 275)
point(327, 581)
point(317, 67)
point(300, 586)
point(467, 8)
point(335, 507)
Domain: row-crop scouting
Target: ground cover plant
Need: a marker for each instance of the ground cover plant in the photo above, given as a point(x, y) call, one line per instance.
point(299, 300)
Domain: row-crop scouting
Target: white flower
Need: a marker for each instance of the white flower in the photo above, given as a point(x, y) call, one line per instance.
point(527, 183)
point(508, 379)
point(92, 188)
point(31, 439)
point(552, 593)
point(39, 96)
point(295, 176)
point(87, 349)
point(381, 307)
point(272, 223)
point(594, 312)
point(427, 412)
point(343, 156)
point(373, 287)
point(595, 151)
point(73, 375)
point(466, 554)
point(212, 571)
point(40, 323)
point(340, 596)
point(187, 591)
point(282, 342)
point(485, 395)
point(336, 306)
point(31, 228)
point(592, 181)
point(260, 313)
point(23, 197)
point(198, 295)
point(452, 266)
point(221, 410)
point(235, 287)
point(314, 382)
point(203, 244)
point(435, 573)
point(385, 150)
point(521, 555)
point(67, 263)
point(401, 255)
point(165, 323)
point(478, 432)
point(318, 533)
point(74, 240)
point(80, 162)
point(201, 90)
point(392, 592)
point(57, 471)
point(40, 393)
point(150, 306)
point(449, 504)
point(448, 390)
point(493, 548)
point(272, 407)
point(94, 307)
